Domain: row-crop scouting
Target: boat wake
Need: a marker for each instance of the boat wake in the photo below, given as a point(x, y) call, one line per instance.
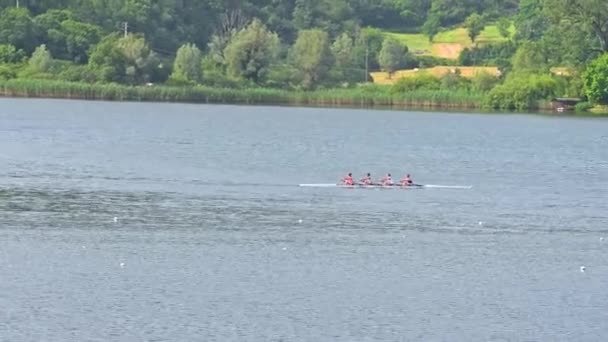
point(438, 186)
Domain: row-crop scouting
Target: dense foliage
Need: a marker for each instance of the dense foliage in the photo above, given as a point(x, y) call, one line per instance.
point(596, 80)
point(307, 44)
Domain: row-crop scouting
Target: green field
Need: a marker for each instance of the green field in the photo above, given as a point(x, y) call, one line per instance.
point(446, 44)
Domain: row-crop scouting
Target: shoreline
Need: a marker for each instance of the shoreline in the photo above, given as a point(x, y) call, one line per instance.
point(335, 97)
point(351, 98)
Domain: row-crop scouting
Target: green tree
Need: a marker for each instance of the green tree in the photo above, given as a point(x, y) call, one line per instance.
point(571, 45)
point(474, 23)
point(49, 30)
point(384, 14)
point(504, 27)
point(367, 46)
point(530, 57)
point(166, 24)
point(413, 11)
point(331, 16)
point(79, 38)
point(347, 68)
point(41, 60)
point(66, 37)
point(187, 65)
point(431, 26)
point(342, 50)
point(141, 61)
point(531, 21)
point(10, 54)
point(303, 16)
point(277, 16)
point(595, 80)
point(18, 29)
point(311, 55)
point(251, 51)
point(591, 14)
point(392, 55)
point(52, 18)
point(107, 60)
point(230, 24)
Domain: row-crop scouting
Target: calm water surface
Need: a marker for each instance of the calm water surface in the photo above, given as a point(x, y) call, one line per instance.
point(214, 240)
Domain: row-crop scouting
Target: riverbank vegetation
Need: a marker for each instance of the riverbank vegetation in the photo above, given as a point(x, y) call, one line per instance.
point(511, 55)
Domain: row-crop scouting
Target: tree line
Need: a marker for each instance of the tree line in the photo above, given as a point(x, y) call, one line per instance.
point(299, 44)
point(240, 50)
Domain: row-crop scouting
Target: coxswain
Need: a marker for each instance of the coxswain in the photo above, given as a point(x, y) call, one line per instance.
point(348, 180)
point(407, 180)
point(387, 180)
point(367, 180)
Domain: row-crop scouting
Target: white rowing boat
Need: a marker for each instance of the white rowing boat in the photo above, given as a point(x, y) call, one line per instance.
point(380, 186)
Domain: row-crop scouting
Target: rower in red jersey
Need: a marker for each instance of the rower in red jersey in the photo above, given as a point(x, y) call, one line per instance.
point(348, 180)
point(387, 180)
point(367, 180)
point(406, 181)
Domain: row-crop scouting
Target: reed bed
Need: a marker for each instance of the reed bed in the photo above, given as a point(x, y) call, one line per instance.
point(376, 96)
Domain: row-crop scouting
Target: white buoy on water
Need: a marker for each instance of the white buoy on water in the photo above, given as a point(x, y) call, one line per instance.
point(481, 223)
point(122, 265)
point(583, 268)
point(300, 221)
point(115, 219)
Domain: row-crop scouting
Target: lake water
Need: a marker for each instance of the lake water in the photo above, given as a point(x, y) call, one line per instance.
point(214, 241)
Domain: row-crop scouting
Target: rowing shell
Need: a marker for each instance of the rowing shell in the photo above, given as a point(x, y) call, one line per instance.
point(395, 186)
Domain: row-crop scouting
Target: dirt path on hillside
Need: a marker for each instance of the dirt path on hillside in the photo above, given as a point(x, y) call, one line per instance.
point(446, 50)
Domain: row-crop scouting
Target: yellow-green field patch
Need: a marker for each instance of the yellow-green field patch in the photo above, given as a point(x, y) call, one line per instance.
point(438, 71)
point(446, 44)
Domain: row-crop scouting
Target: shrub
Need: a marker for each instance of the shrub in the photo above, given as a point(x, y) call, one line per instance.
point(522, 91)
point(454, 80)
point(41, 60)
point(484, 81)
point(487, 54)
point(77, 73)
point(420, 81)
point(10, 54)
point(414, 61)
point(281, 76)
point(583, 107)
point(596, 80)
point(6, 72)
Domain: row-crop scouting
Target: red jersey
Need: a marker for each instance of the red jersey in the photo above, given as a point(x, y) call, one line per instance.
point(348, 180)
point(387, 180)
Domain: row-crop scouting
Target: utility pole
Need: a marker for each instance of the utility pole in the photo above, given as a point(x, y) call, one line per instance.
point(366, 62)
point(126, 28)
point(17, 3)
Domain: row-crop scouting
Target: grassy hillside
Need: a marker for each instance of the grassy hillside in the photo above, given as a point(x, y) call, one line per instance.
point(446, 44)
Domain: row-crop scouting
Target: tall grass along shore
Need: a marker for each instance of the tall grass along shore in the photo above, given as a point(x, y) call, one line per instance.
point(364, 96)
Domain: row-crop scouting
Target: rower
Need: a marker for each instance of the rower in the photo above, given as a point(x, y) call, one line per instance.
point(348, 180)
point(367, 180)
point(407, 180)
point(387, 180)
